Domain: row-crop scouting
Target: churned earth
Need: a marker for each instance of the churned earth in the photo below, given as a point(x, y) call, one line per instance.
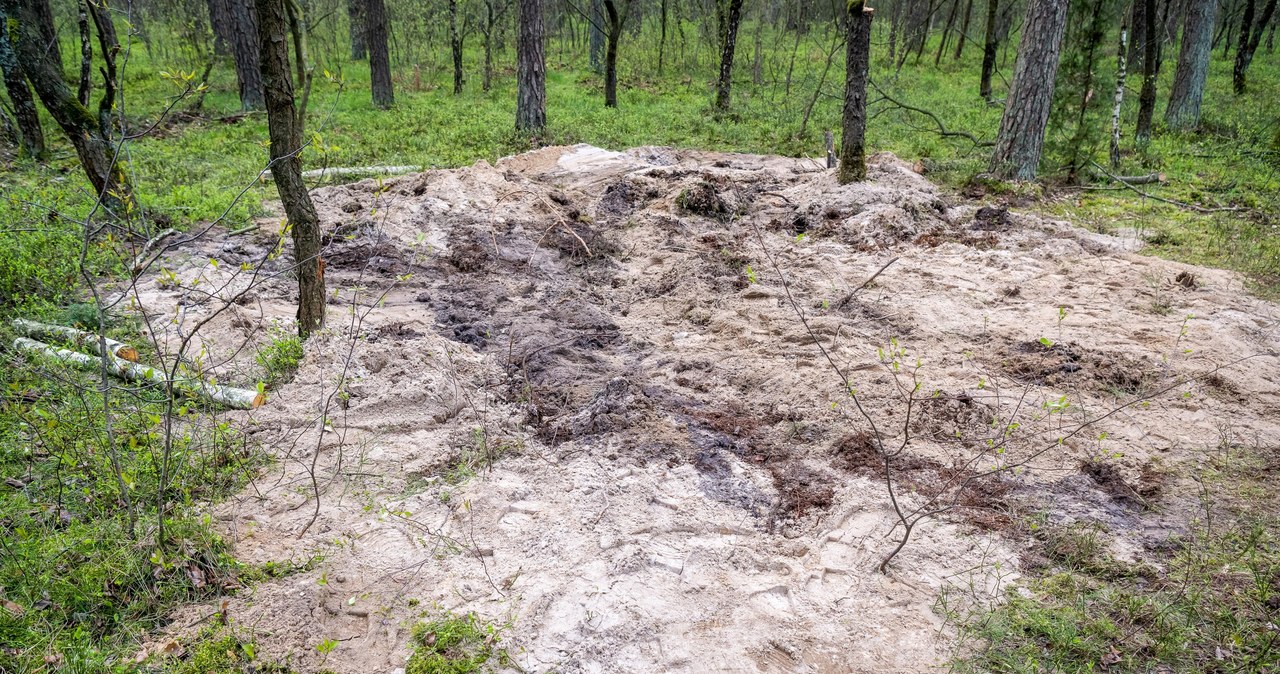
point(573, 393)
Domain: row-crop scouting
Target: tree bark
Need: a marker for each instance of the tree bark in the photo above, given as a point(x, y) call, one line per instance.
point(662, 39)
point(1137, 35)
point(964, 30)
point(286, 162)
point(728, 17)
point(595, 35)
point(95, 151)
point(49, 34)
point(1026, 111)
point(244, 48)
point(27, 117)
point(1121, 74)
point(991, 43)
point(531, 69)
point(613, 36)
point(1250, 38)
point(455, 46)
point(1187, 94)
point(853, 159)
point(357, 30)
point(375, 18)
point(1150, 72)
point(222, 27)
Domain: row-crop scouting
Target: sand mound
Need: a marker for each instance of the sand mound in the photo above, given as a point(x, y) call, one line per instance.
point(577, 400)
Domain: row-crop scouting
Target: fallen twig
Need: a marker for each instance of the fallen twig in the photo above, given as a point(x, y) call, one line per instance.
point(942, 129)
point(140, 262)
point(1180, 204)
point(852, 293)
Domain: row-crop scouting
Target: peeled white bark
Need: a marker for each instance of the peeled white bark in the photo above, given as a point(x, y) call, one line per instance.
point(76, 337)
point(1115, 107)
point(237, 398)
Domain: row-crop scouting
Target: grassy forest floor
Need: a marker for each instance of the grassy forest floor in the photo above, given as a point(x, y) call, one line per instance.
point(83, 593)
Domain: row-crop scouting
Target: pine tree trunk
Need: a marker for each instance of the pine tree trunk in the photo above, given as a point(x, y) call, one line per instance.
point(1150, 72)
point(455, 47)
point(531, 69)
point(27, 117)
point(49, 33)
point(990, 45)
point(595, 35)
point(1137, 35)
point(853, 159)
point(728, 16)
point(964, 30)
point(356, 30)
point(946, 31)
point(220, 23)
point(286, 162)
point(379, 56)
point(614, 25)
point(244, 47)
point(1187, 94)
point(1250, 38)
point(1026, 111)
point(83, 129)
point(662, 39)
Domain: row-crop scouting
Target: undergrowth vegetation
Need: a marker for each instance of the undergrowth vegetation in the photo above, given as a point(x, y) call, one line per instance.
point(104, 525)
point(1210, 605)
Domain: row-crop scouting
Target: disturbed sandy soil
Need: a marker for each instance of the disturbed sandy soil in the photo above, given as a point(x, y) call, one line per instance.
point(571, 393)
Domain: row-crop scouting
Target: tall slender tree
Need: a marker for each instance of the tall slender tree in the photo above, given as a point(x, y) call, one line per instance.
point(595, 35)
point(1026, 110)
point(990, 47)
point(853, 160)
point(27, 117)
point(85, 131)
point(728, 17)
point(531, 69)
point(1250, 38)
point(613, 34)
point(285, 129)
point(1154, 42)
point(455, 46)
point(375, 18)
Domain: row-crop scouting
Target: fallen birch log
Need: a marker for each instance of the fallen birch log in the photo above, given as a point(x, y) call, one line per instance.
point(76, 337)
point(350, 171)
point(237, 398)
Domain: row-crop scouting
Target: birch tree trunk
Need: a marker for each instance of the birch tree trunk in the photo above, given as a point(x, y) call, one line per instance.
point(1121, 73)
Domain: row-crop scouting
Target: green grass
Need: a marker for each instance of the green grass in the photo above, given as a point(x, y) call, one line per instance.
point(1211, 606)
point(67, 520)
point(454, 644)
point(280, 359)
point(88, 562)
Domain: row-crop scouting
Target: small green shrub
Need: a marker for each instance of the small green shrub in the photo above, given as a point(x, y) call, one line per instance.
point(455, 645)
point(280, 359)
